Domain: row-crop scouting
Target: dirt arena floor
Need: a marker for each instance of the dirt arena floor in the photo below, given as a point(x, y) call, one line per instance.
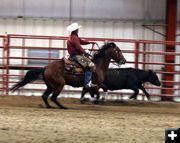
point(26, 120)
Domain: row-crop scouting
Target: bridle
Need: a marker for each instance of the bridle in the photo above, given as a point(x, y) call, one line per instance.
point(114, 63)
point(119, 65)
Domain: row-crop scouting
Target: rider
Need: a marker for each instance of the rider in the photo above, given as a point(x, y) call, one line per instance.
point(78, 53)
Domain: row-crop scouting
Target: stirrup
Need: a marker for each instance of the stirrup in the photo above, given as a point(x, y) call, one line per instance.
point(89, 85)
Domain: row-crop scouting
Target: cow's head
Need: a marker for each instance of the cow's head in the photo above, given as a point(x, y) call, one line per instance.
point(153, 78)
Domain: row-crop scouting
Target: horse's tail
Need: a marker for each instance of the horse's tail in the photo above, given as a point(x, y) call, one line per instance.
point(30, 76)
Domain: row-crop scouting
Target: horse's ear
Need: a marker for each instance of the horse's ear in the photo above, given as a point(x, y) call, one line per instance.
point(150, 71)
point(106, 42)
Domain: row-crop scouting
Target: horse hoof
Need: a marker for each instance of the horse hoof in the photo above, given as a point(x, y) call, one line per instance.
point(50, 107)
point(132, 97)
point(102, 102)
point(96, 102)
point(82, 101)
point(64, 107)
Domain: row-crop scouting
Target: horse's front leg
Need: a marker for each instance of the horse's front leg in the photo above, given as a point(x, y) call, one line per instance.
point(105, 90)
point(92, 91)
point(84, 91)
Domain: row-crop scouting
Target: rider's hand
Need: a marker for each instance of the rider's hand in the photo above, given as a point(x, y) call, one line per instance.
point(87, 52)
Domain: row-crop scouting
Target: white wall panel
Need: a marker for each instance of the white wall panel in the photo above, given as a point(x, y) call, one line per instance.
point(87, 30)
point(96, 29)
point(138, 31)
point(118, 29)
point(177, 60)
point(178, 10)
point(178, 33)
point(128, 30)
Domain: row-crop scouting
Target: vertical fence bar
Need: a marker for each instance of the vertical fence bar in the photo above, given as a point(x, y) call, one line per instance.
point(136, 54)
point(23, 51)
point(3, 65)
point(49, 51)
point(7, 53)
point(144, 56)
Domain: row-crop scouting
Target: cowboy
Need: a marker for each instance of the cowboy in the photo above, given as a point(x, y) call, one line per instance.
point(78, 53)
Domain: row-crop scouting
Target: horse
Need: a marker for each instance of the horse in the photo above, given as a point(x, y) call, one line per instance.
point(55, 76)
point(127, 78)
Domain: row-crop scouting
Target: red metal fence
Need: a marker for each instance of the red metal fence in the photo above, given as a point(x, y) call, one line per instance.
point(142, 54)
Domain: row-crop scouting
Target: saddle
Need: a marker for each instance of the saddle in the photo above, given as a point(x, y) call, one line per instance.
point(72, 66)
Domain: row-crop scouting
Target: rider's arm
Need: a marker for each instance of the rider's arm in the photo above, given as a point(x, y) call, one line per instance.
point(84, 42)
point(76, 42)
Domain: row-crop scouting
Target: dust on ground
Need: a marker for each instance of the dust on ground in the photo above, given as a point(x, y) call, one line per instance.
point(25, 119)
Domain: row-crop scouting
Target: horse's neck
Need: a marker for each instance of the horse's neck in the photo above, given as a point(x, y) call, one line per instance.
point(102, 63)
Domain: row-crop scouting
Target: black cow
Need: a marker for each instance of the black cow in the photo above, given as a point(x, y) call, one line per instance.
point(129, 78)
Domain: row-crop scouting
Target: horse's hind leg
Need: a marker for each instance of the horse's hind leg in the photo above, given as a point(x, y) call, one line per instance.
point(45, 97)
point(54, 98)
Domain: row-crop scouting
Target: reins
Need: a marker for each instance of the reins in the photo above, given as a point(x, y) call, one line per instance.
point(93, 47)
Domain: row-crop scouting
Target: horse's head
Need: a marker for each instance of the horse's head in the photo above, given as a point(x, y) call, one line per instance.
point(111, 51)
point(153, 78)
point(116, 53)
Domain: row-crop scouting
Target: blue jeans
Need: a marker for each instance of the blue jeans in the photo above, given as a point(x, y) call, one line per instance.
point(87, 76)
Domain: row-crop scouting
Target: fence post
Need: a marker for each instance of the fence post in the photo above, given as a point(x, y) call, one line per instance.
point(6, 63)
point(136, 54)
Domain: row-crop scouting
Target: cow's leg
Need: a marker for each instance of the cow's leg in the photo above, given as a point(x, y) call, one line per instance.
point(132, 83)
point(136, 92)
point(145, 92)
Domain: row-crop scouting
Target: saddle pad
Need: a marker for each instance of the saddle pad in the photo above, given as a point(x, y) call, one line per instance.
point(72, 67)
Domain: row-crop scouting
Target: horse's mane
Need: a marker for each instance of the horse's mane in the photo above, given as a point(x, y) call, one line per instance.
point(102, 49)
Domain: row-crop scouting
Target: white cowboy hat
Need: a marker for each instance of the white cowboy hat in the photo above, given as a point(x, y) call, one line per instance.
point(73, 27)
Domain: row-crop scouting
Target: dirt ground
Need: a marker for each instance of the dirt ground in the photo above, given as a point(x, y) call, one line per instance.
point(25, 119)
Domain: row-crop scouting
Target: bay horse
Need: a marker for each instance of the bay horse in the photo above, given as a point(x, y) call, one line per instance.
point(55, 76)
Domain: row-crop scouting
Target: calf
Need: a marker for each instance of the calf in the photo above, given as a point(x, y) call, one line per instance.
point(129, 78)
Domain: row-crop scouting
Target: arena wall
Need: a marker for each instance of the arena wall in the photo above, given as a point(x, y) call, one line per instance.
point(95, 29)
